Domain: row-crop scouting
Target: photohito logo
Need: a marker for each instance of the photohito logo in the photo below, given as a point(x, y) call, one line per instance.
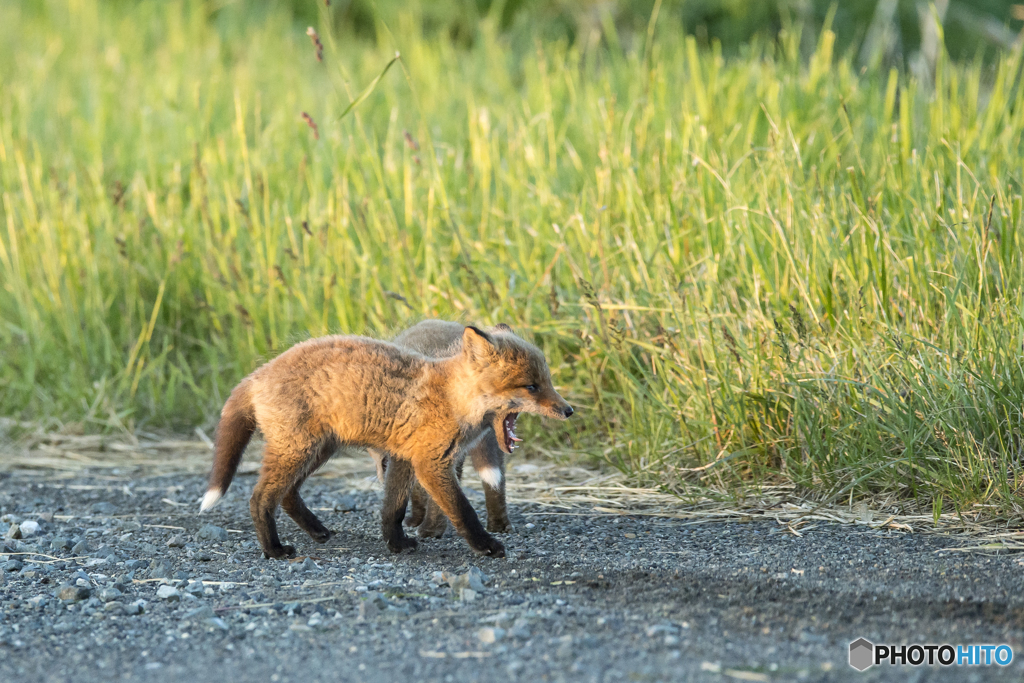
point(865, 654)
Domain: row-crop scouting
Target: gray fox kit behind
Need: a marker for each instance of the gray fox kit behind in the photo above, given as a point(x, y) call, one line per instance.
point(442, 339)
point(354, 391)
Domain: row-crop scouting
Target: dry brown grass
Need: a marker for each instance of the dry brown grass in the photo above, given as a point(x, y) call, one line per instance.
point(549, 488)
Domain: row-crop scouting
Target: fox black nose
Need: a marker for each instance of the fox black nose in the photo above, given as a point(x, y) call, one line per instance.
point(567, 411)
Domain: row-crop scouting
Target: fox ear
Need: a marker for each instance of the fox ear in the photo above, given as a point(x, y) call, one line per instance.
point(502, 327)
point(476, 342)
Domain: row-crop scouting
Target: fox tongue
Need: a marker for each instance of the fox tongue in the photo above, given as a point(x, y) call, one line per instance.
point(510, 434)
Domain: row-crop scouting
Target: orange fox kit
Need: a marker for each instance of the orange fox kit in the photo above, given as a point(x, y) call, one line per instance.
point(442, 339)
point(353, 391)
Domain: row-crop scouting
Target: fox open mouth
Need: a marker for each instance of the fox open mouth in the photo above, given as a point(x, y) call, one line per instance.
point(508, 432)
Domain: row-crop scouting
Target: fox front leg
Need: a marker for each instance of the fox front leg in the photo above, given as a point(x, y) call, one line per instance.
point(434, 523)
point(425, 514)
point(489, 462)
point(438, 478)
point(397, 482)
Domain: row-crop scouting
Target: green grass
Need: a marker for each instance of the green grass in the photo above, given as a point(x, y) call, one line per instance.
point(795, 271)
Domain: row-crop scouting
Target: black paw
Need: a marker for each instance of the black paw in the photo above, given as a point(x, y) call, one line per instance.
point(499, 526)
point(432, 531)
point(487, 545)
point(397, 545)
point(282, 552)
point(321, 536)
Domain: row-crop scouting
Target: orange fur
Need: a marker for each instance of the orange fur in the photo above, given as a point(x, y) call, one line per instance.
point(354, 391)
point(441, 339)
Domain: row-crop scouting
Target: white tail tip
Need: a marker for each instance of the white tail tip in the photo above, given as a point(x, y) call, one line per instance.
point(490, 476)
point(210, 499)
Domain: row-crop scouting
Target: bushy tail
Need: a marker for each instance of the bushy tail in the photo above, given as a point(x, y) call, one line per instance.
point(237, 424)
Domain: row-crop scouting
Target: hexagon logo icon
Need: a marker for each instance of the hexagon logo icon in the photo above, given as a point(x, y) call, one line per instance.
point(862, 654)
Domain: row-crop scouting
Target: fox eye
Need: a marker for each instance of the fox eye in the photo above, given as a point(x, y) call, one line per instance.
point(532, 388)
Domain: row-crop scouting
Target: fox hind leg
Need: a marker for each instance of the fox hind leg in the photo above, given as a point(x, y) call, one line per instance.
point(434, 522)
point(284, 469)
point(272, 487)
point(292, 501)
point(303, 516)
point(380, 459)
point(419, 500)
point(397, 483)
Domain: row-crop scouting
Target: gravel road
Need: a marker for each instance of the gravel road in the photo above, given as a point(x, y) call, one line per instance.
point(123, 580)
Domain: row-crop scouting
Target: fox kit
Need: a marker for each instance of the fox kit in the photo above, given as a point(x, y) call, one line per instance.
point(354, 391)
point(442, 339)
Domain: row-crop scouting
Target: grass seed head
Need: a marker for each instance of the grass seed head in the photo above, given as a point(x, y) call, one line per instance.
point(730, 342)
point(312, 124)
point(315, 37)
point(798, 324)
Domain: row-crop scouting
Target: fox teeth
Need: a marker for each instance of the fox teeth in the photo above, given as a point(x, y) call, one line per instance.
point(512, 435)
